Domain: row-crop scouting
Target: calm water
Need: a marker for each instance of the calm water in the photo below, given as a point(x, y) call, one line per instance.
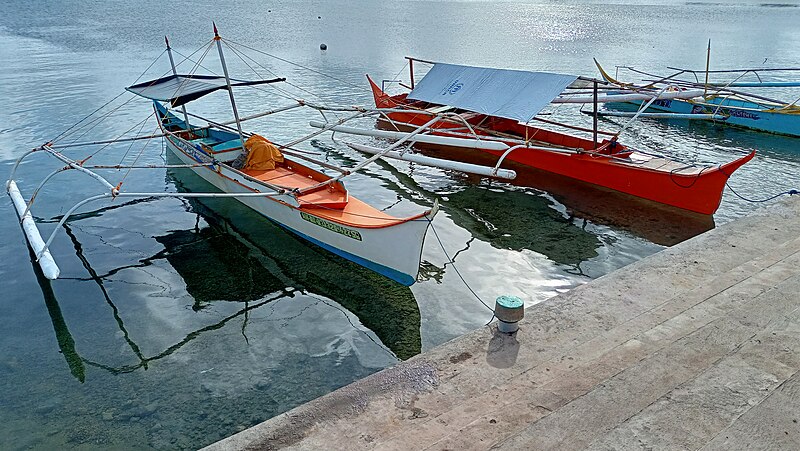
point(177, 323)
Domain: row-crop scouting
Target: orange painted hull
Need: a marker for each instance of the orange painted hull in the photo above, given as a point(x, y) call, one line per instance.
point(660, 180)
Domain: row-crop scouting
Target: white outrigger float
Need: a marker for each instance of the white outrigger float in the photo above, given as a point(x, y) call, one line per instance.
point(264, 176)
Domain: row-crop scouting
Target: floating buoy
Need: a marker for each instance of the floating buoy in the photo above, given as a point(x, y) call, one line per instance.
point(509, 310)
point(323, 46)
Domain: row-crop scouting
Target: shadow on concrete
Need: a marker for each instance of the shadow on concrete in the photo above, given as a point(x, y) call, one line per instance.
point(502, 350)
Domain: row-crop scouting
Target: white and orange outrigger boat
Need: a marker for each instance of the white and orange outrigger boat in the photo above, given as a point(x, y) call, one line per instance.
point(266, 177)
point(493, 111)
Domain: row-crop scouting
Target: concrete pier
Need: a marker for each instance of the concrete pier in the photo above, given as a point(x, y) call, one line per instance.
point(697, 346)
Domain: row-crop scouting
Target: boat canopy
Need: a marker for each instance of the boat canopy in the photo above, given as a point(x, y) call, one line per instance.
point(512, 94)
point(181, 89)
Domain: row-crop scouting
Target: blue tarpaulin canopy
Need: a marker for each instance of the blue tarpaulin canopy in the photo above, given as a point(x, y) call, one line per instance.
point(512, 94)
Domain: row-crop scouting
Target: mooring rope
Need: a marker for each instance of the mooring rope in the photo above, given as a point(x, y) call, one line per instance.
point(242, 55)
point(790, 192)
point(106, 104)
point(298, 65)
point(453, 263)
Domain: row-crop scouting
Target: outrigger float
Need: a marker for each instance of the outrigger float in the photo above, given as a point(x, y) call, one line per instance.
point(267, 177)
point(492, 111)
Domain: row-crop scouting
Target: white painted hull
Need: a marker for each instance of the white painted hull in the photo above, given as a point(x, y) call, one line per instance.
point(393, 251)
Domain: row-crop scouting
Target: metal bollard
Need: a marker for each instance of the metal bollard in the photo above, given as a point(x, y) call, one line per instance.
point(509, 310)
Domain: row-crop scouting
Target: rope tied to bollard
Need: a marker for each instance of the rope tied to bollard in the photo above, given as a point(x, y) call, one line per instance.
point(453, 262)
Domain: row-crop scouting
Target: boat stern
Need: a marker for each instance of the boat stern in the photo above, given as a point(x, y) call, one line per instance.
point(383, 100)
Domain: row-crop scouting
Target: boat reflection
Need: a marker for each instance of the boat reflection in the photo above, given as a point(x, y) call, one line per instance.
point(66, 344)
point(657, 223)
point(234, 255)
point(386, 307)
point(504, 217)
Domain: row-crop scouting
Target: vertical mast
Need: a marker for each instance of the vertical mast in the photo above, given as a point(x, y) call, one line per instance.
point(228, 81)
point(175, 72)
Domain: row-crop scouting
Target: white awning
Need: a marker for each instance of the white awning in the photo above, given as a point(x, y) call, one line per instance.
point(512, 94)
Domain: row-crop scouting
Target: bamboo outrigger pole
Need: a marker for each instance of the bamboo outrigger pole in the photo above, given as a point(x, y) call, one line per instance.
point(175, 72)
point(230, 89)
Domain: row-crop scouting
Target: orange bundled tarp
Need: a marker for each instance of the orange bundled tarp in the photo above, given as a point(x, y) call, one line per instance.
point(262, 155)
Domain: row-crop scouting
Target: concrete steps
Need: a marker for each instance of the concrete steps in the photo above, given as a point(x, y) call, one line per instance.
point(681, 350)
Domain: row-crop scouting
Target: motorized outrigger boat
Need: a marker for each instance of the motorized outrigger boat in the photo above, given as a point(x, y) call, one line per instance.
point(722, 102)
point(492, 111)
point(266, 177)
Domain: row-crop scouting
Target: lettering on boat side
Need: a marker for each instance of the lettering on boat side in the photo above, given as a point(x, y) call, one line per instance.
point(663, 103)
point(350, 233)
point(188, 149)
point(744, 114)
point(727, 112)
point(194, 151)
point(453, 88)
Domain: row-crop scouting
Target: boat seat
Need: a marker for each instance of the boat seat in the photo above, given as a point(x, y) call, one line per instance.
point(206, 141)
point(227, 145)
point(325, 197)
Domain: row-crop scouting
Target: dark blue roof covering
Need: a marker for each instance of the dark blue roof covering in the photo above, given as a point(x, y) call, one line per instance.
point(180, 89)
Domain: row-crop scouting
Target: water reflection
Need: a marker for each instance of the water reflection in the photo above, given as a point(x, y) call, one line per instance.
point(385, 307)
point(502, 216)
point(528, 221)
point(66, 344)
point(235, 255)
point(216, 266)
point(659, 224)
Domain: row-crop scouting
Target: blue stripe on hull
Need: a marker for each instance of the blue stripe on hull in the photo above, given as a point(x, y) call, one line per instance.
point(397, 276)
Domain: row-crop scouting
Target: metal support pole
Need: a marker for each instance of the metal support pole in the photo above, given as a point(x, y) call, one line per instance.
point(708, 64)
point(175, 72)
point(230, 90)
point(411, 71)
point(594, 133)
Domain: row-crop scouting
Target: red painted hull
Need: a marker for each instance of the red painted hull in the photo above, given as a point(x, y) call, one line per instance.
point(698, 190)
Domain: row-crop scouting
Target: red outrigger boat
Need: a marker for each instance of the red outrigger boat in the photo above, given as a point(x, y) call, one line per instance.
point(480, 105)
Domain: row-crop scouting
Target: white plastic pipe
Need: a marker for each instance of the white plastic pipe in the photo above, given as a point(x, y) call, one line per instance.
point(427, 139)
point(48, 265)
point(439, 163)
point(699, 116)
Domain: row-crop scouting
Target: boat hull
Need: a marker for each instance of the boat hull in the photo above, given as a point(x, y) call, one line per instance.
point(636, 174)
point(393, 251)
point(700, 193)
point(734, 112)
